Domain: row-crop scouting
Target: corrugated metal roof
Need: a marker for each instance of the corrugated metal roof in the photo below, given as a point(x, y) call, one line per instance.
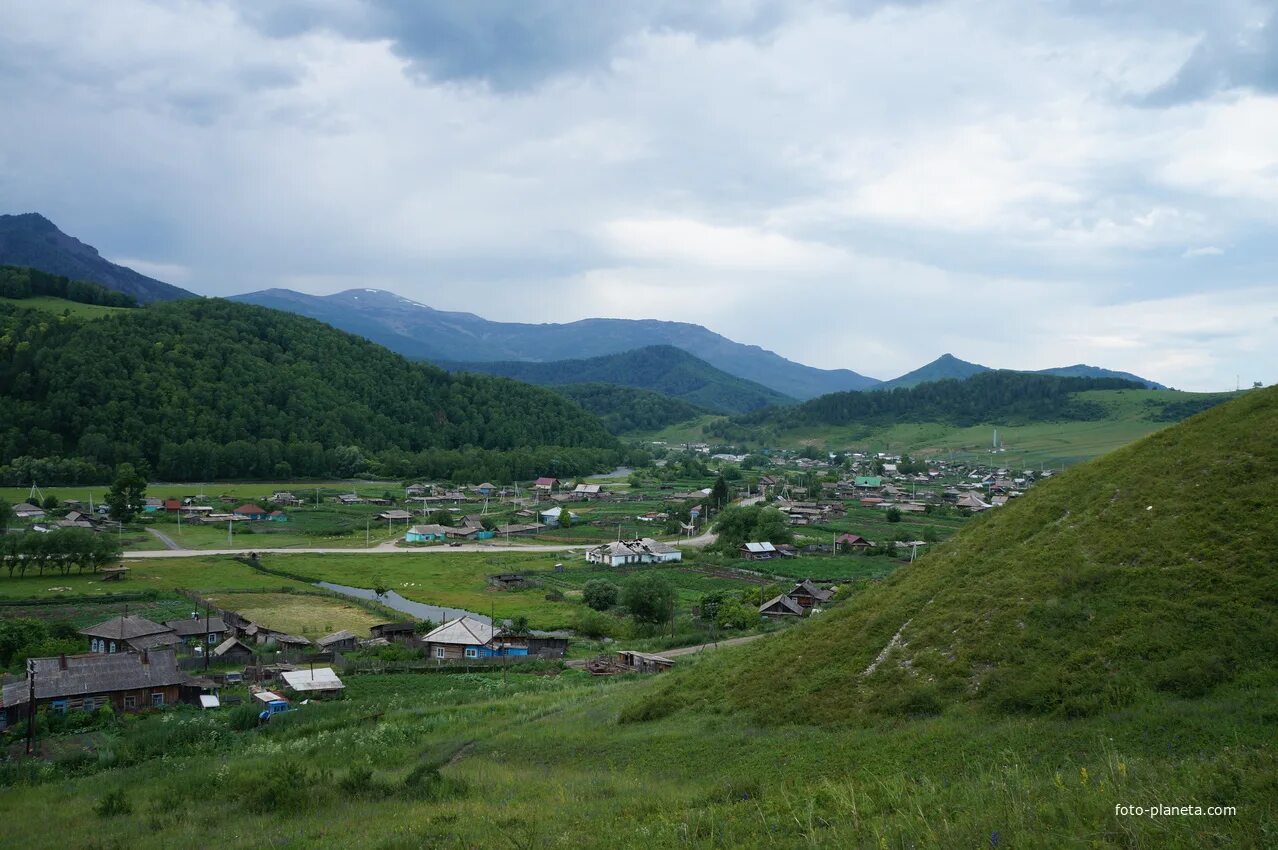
point(463, 631)
point(319, 679)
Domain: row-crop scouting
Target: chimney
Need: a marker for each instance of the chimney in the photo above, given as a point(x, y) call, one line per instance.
point(145, 660)
point(62, 661)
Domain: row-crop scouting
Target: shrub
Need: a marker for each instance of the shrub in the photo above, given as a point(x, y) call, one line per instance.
point(113, 804)
point(600, 594)
point(243, 718)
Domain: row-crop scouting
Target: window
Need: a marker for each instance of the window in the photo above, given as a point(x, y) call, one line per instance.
point(212, 638)
point(112, 646)
point(471, 652)
point(157, 698)
point(93, 645)
point(439, 652)
point(130, 701)
point(59, 705)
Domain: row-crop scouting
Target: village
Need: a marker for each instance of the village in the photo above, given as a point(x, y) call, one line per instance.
point(836, 523)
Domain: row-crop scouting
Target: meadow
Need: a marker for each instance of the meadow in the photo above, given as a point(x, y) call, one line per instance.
point(61, 306)
point(555, 761)
point(311, 615)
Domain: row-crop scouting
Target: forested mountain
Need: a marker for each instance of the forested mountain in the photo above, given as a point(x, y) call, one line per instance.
point(418, 331)
point(32, 240)
point(1117, 587)
point(626, 409)
point(1010, 397)
point(943, 368)
point(660, 368)
point(1082, 370)
point(206, 389)
point(948, 366)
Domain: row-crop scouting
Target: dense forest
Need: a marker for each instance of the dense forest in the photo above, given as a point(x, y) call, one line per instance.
point(660, 368)
point(1010, 397)
point(624, 410)
point(208, 389)
point(19, 282)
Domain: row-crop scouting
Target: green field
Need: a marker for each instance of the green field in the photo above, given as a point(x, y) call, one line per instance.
point(1129, 415)
point(60, 306)
point(309, 615)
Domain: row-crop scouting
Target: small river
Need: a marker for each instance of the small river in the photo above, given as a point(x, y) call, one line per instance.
point(420, 610)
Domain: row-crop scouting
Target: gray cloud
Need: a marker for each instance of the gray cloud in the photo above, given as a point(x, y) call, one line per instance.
point(1245, 58)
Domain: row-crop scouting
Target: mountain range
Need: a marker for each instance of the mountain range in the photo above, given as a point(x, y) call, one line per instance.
point(660, 368)
point(416, 330)
point(421, 332)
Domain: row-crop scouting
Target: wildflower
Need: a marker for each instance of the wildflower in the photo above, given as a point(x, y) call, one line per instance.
point(1122, 769)
point(1082, 776)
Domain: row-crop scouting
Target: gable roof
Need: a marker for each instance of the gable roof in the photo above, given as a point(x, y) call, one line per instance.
point(125, 628)
point(249, 508)
point(96, 673)
point(192, 626)
point(318, 679)
point(781, 605)
point(229, 644)
point(765, 546)
point(335, 637)
point(821, 594)
point(463, 631)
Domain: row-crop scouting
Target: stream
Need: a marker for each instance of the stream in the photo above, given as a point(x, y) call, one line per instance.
point(420, 610)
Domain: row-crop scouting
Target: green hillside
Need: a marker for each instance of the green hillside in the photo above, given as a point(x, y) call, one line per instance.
point(659, 368)
point(1153, 570)
point(204, 389)
point(625, 410)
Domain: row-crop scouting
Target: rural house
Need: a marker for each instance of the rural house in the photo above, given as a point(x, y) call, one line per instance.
point(394, 631)
point(337, 641)
point(466, 637)
point(809, 595)
point(780, 607)
point(128, 633)
point(197, 629)
point(622, 553)
point(250, 512)
point(853, 541)
point(313, 682)
point(28, 511)
point(125, 681)
point(232, 649)
point(425, 533)
point(763, 551)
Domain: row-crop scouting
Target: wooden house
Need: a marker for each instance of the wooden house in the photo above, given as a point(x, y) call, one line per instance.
point(810, 595)
point(233, 649)
point(402, 632)
point(425, 533)
point(251, 512)
point(852, 541)
point(780, 608)
point(643, 662)
point(338, 641)
point(198, 629)
point(466, 637)
point(128, 633)
point(125, 681)
point(762, 551)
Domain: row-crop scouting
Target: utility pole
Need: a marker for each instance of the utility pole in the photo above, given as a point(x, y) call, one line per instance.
point(31, 713)
point(208, 650)
point(367, 542)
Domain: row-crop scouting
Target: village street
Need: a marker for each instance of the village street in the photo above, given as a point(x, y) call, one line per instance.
point(390, 546)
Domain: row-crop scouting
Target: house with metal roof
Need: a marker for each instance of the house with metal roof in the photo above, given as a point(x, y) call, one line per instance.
point(781, 607)
point(313, 682)
point(761, 551)
point(469, 638)
point(624, 553)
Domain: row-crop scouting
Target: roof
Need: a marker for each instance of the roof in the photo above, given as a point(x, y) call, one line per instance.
point(249, 508)
point(821, 594)
point(463, 631)
point(428, 529)
point(27, 508)
point(545, 481)
point(783, 605)
point(486, 486)
point(852, 539)
point(297, 640)
point(335, 637)
point(161, 639)
point(867, 481)
point(268, 696)
point(765, 546)
point(396, 514)
point(229, 644)
point(96, 673)
point(125, 627)
point(193, 626)
point(317, 679)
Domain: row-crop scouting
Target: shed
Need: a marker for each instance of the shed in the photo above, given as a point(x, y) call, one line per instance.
point(342, 640)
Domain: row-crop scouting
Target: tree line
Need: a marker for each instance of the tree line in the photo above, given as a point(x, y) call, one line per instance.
point(1011, 397)
point(59, 551)
point(19, 282)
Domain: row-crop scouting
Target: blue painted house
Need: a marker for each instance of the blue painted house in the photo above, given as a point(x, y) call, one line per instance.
point(466, 637)
point(426, 534)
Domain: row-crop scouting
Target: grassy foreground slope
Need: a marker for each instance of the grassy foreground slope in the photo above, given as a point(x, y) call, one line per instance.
point(1151, 570)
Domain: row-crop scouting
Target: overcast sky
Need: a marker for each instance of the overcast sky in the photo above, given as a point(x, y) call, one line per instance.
point(850, 183)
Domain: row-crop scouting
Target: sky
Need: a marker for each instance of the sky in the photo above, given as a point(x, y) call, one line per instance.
point(850, 183)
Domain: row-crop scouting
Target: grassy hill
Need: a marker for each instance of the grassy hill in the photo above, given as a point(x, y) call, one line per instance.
point(947, 367)
point(1151, 571)
point(660, 368)
point(204, 389)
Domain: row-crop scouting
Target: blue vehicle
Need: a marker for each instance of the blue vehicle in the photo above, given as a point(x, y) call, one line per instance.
point(274, 707)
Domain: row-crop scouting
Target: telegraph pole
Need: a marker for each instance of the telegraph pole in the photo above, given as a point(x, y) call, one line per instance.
point(31, 713)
